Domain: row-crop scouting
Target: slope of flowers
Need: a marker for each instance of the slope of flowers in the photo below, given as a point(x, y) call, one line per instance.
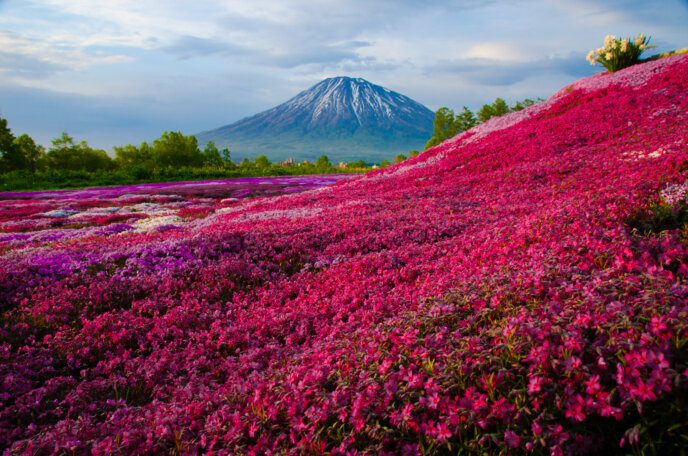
point(520, 289)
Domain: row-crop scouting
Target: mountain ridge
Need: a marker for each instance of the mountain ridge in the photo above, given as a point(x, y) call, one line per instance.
point(342, 117)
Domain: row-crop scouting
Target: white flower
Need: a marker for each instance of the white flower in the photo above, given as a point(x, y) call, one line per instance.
point(641, 47)
point(615, 45)
point(624, 45)
point(591, 56)
point(608, 40)
point(608, 56)
point(640, 39)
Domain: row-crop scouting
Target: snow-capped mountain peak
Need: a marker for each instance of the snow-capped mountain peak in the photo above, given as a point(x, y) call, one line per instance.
point(338, 113)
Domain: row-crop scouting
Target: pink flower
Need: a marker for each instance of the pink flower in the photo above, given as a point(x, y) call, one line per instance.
point(511, 438)
point(535, 385)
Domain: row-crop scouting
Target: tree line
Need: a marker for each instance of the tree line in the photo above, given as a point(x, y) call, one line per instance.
point(25, 165)
point(172, 149)
point(447, 124)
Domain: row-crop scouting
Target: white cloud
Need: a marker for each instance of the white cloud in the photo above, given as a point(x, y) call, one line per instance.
point(500, 51)
point(46, 57)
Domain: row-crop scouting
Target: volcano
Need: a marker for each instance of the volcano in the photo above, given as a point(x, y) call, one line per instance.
point(344, 118)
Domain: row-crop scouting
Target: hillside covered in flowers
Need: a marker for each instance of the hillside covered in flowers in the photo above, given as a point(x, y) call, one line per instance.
point(518, 289)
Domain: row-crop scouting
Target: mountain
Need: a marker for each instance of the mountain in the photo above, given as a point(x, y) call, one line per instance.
point(343, 118)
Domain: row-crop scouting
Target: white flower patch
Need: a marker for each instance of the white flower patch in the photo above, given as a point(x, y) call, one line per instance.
point(96, 212)
point(145, 207)
point(635, 155)
point(152, 223)
point(62, 213)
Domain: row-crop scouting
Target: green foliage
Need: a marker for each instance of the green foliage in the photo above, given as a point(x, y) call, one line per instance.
point(466, 120)
point(140, 173)
point(447, 125)
point(211, 155)
point(485, 113)
point(132, 156)
point(399, 158)
point(385, 164)
point(520, 105)
point(66, 154)
point(10, 156)
point(496, 109)
point(25, 165)
point(413, 153)
point(176, 150)
point(356, 164)
point(619, 53)
point(34, 156)
point(261, 161)
point(323, 162)
point(444, 127)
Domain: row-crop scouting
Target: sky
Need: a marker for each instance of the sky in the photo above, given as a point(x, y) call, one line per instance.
point(123, 71)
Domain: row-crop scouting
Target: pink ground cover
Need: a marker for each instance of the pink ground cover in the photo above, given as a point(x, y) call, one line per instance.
point(504, 292)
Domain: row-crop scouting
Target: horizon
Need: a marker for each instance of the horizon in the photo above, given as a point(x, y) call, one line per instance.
point(122, 73)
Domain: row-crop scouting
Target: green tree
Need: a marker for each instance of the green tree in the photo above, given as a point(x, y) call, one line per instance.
point(413, 153)
point(466, 120)
point(176, 150)
point(226, 155)
point(66, 154)
point(500, 107)
point(246, 164)
point(399, 158)
point(485, 113)
point(211, 155)
point(261, 161)
point(323, 162)
point(385, 164)
point(34, 154)
point(519, 105)
point(443, 127)
point(496, 109)
point(356, 164)
point(447, 125)
point(131, 156)
point(10, 156)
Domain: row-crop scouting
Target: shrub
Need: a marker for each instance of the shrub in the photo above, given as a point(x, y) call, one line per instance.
point(618, 53)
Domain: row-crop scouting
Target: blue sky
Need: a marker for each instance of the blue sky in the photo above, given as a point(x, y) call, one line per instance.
point(123, 71)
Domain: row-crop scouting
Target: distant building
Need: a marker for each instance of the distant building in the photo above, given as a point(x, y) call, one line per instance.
point(288, 162)
point(341, 165)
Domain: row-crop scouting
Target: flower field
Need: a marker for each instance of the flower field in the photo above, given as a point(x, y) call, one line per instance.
point(518, 289)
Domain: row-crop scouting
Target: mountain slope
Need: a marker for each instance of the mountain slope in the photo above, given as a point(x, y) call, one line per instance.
point(518, 289)
point(342, 117)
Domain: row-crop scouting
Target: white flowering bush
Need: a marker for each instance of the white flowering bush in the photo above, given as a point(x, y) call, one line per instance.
point(619, 53)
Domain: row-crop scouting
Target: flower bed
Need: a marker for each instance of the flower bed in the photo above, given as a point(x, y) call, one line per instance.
point(517, 289)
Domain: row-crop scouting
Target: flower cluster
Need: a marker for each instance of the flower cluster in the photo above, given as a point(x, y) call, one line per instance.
point(676, 194)
point(618, 53)
point(487, 296)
